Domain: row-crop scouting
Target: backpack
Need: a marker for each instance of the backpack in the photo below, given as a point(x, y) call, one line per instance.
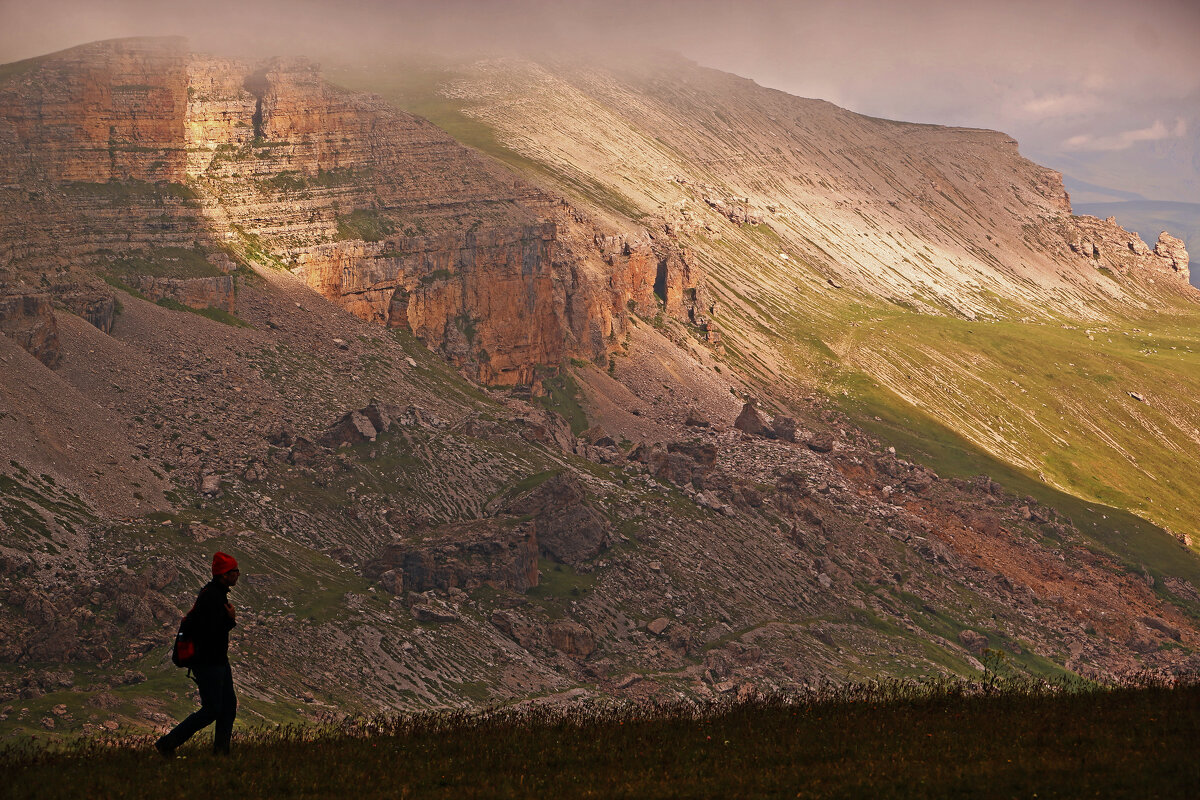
point(183, 650)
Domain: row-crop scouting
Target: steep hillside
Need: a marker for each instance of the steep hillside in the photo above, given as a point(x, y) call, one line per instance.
point(476, 436)
point(919, 271)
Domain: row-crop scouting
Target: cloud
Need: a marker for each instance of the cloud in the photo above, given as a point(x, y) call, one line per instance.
point(1058, 105)
point(1126, 139)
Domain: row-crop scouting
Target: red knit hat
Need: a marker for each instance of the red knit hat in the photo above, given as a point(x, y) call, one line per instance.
point(222, 563)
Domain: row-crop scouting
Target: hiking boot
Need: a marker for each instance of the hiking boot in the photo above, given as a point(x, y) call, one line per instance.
point(165, 750)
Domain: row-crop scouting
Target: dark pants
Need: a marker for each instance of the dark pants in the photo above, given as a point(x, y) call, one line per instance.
point(218, 704)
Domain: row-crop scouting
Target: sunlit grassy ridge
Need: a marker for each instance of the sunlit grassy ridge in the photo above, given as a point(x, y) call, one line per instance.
point(871, 740)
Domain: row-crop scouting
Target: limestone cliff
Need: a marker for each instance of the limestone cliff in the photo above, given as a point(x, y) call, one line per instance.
point(139, 144)
point(104, 111)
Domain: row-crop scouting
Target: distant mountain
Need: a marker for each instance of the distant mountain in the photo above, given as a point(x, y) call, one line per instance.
point(1167, 168)
point(1084, 192)
point(1150, 217)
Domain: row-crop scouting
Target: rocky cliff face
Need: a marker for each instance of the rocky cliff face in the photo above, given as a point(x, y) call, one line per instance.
point(376, 209)
point(105, 111)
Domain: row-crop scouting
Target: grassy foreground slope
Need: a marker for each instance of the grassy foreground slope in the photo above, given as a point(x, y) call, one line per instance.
point(959, 303)
point(864, 741)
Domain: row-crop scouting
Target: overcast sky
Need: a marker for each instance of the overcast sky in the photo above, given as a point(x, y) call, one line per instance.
point(1106, 89)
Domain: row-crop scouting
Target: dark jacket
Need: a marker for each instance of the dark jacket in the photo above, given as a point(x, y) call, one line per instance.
point(209, 625)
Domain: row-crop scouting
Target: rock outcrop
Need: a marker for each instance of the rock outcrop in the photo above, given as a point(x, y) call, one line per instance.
point(199, 293)
point(461, 556)
point(754, 421)
point(98, 308)
point(1171, 250)
point(569, 530)
point(111, 110)
point(28, 319)
point(1106, 244)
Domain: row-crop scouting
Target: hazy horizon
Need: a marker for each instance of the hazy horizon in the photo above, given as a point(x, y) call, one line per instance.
point(1108, 91)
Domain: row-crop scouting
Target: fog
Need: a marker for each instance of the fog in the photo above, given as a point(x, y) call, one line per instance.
point(1108, 91)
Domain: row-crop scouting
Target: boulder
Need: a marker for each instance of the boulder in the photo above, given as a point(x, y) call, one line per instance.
point(353, 428)
point(753, 421)
point(821, 442)
point(210, 485)
point(302, 451)
point(1156, 624)
point(433, 614)
point(392, 581)
point(597, 437)
point(696, 419)
point(571, 638)
point(657, 626)
point(379, 416)
point(918, 482)
point(784, 428)
point(517, 628)
point(975, 642)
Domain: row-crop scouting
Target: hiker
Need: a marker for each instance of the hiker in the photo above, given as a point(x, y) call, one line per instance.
point(209, 623)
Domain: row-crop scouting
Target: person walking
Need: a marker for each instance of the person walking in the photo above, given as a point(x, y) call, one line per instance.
point(210, 621)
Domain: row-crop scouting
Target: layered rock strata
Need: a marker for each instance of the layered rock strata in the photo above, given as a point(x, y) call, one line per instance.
point(140, 144)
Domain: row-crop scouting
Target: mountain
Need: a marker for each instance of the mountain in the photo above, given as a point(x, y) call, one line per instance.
point(520, 379)
point(856, 224)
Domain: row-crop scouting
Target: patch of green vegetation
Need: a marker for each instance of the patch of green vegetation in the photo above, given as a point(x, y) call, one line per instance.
point(293, 181)
point(130, 192)
point(254, 249)
point(161, 262)
point(417, 89)
point(366, 224)
point(530, 482)
point(919, 437)
point(286, 181)
point(35, 505)
point(559, 584)
point(215, 314)
point(116, 283)
point(563, 396)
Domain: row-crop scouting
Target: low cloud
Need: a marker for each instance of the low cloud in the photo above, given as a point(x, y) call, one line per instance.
point(1059, 105)
point(1126, 139)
